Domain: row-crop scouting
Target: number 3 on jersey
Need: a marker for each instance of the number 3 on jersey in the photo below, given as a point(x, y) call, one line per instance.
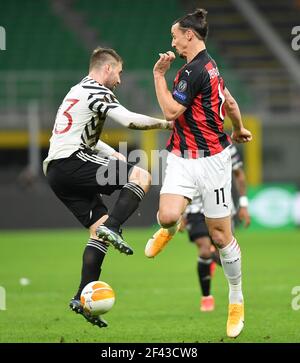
point(68, 116)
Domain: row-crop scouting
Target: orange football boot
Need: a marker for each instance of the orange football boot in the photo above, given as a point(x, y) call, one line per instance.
point(157, 243)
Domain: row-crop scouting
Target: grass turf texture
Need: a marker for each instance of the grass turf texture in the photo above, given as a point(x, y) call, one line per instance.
point(157, 300)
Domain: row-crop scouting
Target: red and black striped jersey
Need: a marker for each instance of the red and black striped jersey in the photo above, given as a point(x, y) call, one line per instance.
point(199, 130)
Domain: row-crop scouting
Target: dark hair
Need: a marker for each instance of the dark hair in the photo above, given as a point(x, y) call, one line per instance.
point(195, 21)
point(101, 56)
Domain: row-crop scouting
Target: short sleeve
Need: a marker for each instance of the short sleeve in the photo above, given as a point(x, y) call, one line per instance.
point(187, 86)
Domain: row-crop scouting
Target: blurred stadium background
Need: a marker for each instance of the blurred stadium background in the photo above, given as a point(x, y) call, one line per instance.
point(47, 49)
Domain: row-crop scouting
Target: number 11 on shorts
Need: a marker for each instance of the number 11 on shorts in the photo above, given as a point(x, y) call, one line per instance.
point(218, 192)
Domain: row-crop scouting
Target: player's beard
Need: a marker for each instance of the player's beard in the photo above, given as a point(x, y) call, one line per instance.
point(180, 54)
point(111, 85)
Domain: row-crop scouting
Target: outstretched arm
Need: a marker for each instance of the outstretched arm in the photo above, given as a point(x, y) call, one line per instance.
point(137, 121)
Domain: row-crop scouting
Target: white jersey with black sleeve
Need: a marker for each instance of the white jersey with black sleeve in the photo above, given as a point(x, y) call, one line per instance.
point(81, 116)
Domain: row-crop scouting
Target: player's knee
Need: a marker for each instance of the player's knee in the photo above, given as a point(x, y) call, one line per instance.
point(216, 233)
point(168, 218)
point(218, 236)
point(146, 179)
point(141, 177)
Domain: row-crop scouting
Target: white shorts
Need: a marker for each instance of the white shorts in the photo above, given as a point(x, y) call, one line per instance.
point(210, 177)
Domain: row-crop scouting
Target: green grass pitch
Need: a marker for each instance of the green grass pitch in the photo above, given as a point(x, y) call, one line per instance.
point(157, 300)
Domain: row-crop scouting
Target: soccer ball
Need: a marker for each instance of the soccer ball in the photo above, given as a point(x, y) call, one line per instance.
point(97, 298)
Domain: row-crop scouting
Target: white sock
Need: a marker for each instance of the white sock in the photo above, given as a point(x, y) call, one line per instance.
point(231, 262)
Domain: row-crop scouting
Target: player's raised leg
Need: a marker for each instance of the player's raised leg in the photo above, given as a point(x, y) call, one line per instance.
point(171, 207)
point(230, 254)
point(129, 199)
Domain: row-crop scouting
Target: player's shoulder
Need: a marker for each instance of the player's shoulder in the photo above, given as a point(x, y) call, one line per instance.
point(211, 67)
point(93, 91)
point(196, 68)
point(91, 86)
point(200, 60)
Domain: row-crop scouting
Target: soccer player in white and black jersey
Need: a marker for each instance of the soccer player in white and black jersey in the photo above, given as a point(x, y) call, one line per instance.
point(76, 155)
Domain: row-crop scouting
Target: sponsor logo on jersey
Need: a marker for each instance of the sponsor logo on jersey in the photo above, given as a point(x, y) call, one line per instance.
point(179, 95)
point(182, 86)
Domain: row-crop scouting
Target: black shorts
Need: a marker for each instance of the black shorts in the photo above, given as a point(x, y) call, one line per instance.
point(80, 180)
point(196, 226)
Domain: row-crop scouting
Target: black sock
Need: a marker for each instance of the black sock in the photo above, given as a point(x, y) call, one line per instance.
point(203, 268)
point(92, 259)
point(128, 201)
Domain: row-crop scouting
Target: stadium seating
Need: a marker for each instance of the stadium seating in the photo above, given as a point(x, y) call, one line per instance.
point(139, 30)
point(244, 50)
point(142, 30)
point(37, 39)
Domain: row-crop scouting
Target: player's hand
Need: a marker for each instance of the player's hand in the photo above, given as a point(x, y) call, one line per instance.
point(119, 156)
point(170, 125)
point(244, 216)
point(164, 63)
point(241, 135)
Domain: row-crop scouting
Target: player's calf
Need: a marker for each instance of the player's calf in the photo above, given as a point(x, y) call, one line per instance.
point(140, 177)
point(127, 203)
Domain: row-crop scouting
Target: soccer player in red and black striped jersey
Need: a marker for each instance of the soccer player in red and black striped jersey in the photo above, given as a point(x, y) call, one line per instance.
point(199, 160)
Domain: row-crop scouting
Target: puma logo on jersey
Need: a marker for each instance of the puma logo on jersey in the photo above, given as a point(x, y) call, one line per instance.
point(188, 72)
